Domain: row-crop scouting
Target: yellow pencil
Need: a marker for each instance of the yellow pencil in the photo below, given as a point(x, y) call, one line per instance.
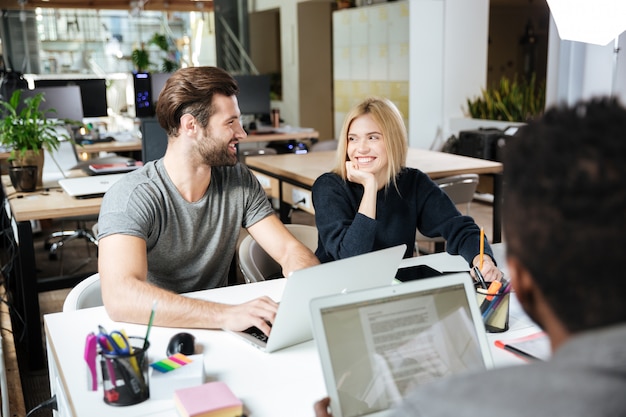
point(482, 247)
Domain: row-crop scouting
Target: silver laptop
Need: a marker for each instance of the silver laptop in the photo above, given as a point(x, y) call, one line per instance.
point(377, 345)
point(89, 187)
point(292, 323)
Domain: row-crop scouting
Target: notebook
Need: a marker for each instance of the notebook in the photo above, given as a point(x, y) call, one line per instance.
point(89, 187)
point(376, 345)
point(292, 324)
point(114, 167)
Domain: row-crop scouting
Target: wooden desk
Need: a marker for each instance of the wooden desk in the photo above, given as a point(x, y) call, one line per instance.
point(296, 134)
point(285, 383)
point(21, 209)
point(113, 146)
point(292, 170)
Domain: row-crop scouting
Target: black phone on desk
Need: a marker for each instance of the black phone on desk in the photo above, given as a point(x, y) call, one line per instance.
point(412, 273)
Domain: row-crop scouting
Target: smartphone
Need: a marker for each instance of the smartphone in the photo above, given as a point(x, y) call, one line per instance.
point(412, 273)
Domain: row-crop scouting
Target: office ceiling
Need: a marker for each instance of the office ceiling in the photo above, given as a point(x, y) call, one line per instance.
point(173, 5)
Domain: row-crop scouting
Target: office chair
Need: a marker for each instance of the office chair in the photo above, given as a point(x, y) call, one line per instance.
point(460, 189)
point(84, 295)
point(57, 165)
point(256, 265)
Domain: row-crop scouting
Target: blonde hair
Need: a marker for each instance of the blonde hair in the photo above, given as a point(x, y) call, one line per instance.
point(390, 121)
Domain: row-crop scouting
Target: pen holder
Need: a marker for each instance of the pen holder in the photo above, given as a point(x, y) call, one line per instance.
point(495, 311)
point(125, 376)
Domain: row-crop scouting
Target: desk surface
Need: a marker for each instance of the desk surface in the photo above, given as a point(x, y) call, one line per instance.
point(305, 168)
point(113, 146)
point(283, 383)
point(52, 204)
point(297, 134)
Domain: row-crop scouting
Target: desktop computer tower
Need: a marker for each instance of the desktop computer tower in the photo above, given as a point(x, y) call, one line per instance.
point(143, 95)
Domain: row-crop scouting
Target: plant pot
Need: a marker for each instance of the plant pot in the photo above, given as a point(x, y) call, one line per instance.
point(31, 158)
point(24, 178)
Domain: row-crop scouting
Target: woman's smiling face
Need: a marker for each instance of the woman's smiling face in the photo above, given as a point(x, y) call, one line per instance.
point(366, 146)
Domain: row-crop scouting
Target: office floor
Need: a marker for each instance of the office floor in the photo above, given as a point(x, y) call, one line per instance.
point(34, 385)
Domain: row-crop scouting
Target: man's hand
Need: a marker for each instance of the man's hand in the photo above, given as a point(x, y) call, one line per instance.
point(258, 312)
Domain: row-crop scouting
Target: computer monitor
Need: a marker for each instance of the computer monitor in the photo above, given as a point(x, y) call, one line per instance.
point(157, 81)
point(65, 100)
point(93, 93)
point(254, 94)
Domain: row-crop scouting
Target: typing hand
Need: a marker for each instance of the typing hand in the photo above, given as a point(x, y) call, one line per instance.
point(259, 312)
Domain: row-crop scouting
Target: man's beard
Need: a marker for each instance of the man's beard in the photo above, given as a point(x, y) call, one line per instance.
point(216, 153)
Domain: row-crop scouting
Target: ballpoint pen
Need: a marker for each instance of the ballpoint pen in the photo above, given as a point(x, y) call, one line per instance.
point(493, 305)
point(493, 289)
point(479, 277)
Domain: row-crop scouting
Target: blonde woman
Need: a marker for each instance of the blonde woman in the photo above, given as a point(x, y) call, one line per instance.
point(371, 200)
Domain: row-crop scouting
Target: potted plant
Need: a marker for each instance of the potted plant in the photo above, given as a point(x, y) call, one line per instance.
point(27, 131)
point(509, 101)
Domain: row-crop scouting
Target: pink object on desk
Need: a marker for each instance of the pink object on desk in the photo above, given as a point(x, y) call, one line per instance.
point(208, 400)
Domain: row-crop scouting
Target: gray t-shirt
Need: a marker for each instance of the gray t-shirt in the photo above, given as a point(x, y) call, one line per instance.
point(190, 245)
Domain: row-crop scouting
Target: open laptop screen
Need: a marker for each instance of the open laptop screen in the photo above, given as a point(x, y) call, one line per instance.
point(377, 345)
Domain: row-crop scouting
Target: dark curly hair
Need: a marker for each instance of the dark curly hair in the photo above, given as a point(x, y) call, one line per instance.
point(565, 209)
point(190, 91)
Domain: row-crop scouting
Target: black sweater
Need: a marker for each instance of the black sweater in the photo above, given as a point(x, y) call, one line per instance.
point(417, 203)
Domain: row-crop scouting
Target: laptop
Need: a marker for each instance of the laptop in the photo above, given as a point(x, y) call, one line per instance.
point(292, 324)
point(376, 345)
point(89, 187)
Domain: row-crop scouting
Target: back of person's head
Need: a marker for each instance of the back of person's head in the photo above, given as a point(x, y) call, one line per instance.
point(565, 209)
point(190, 91)
point(390, 121)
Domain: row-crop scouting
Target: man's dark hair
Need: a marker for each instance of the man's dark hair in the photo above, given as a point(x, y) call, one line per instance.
point(190, 91)
point(565, 209)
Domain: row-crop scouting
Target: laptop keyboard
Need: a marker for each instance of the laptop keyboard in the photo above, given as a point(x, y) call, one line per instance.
point(255, 332)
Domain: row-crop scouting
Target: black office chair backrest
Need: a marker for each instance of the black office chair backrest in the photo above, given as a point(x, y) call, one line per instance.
point(153, 140)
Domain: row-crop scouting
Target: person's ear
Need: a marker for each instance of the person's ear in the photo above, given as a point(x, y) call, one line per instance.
point(188, 123)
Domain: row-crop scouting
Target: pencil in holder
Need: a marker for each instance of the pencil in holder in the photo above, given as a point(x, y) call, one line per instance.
point(494, 308)
point(125, 376)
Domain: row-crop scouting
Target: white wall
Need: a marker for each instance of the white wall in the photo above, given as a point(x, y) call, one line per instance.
point(578, 70)
point(448, 43)
point(448, 62)
point(290, 104)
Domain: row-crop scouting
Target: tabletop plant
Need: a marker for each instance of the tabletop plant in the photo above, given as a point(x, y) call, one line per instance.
point(28, 128)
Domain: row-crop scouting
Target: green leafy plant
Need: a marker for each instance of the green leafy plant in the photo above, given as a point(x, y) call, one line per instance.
point(29, 129)
point(509, 100)
point(141, 59)
point(161, 41)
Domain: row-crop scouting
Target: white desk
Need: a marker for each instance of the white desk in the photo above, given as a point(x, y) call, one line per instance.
point(285, 383)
